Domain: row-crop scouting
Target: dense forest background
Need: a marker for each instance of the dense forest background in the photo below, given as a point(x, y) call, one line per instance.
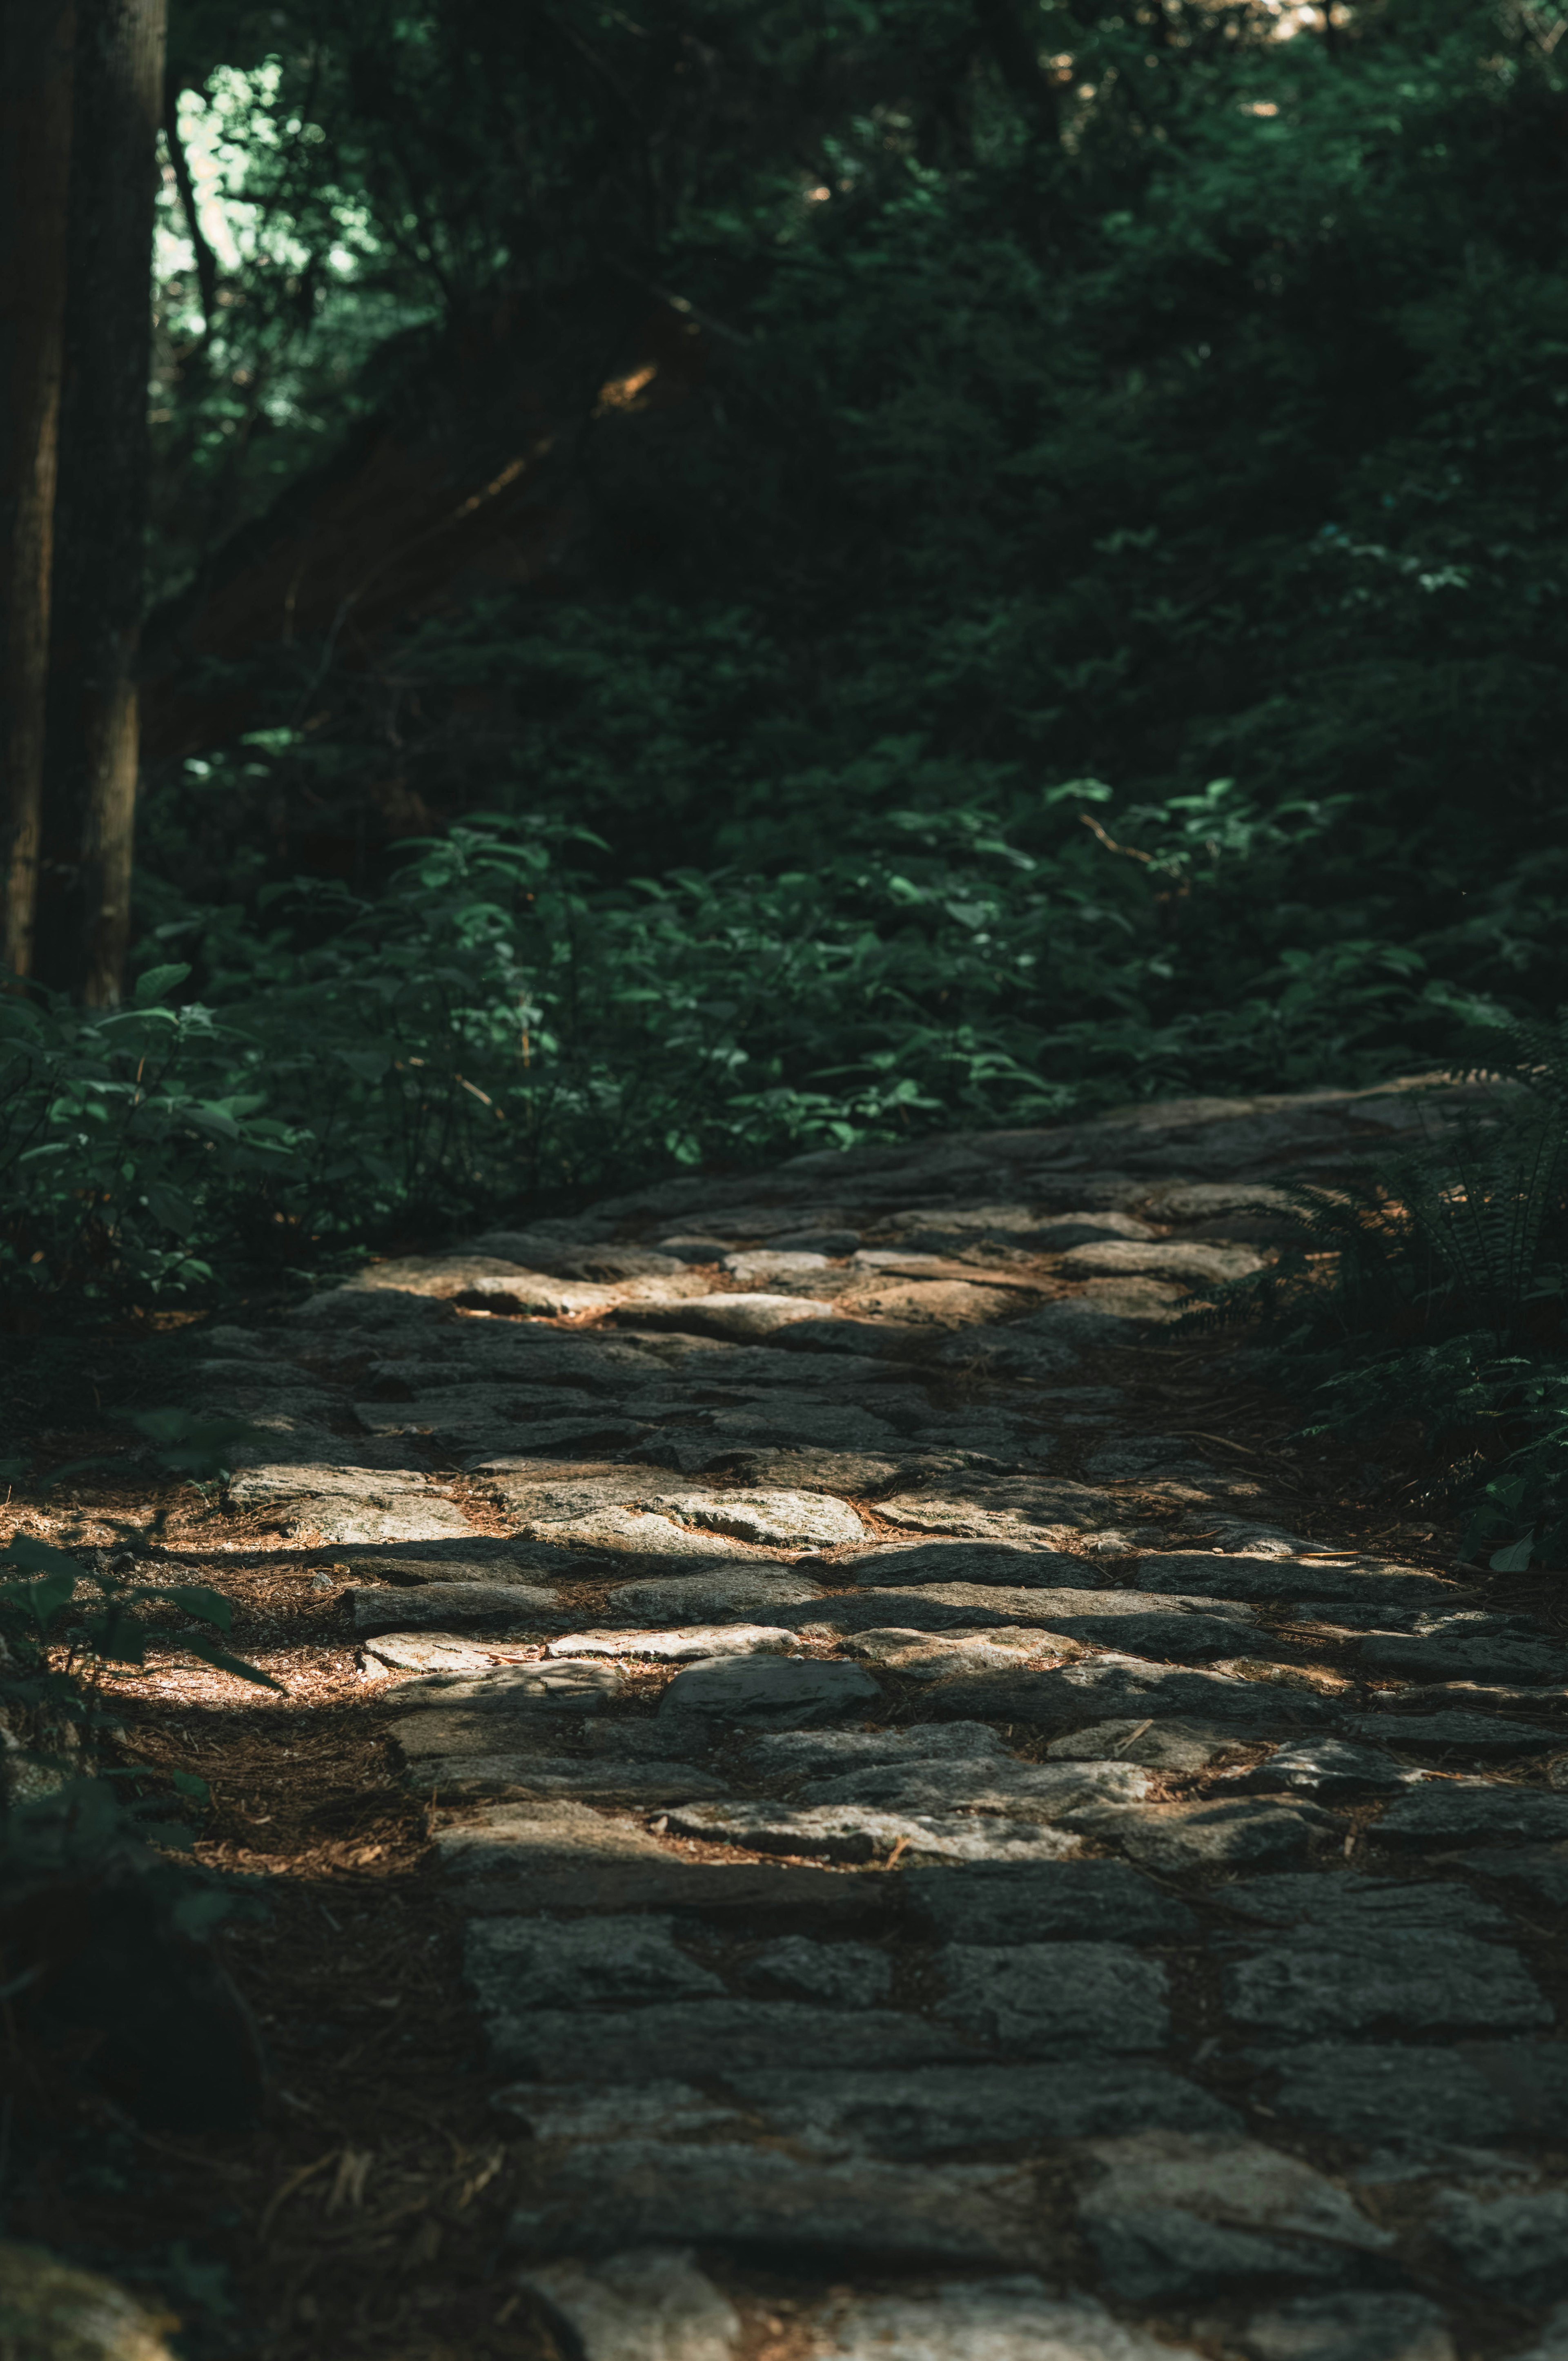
point(731, 578)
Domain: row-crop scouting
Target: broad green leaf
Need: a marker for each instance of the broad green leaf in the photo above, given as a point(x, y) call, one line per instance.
point(158, 981)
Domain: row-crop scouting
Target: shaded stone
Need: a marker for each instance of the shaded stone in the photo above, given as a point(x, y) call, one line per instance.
point(679, 1646)
point(1515, 2242)
point(1457, 1656)
point(1389, 2097)
point(649, 2303)
point(722, 2195)
point(519, 1778)
point(1104, 1312)
point(789, 1754)
point(1160, 1745)
point(1094, 1692)
point(1359, 2324)
point(845, 1975)
point(1324, 1767)
point(524, 1839)
point(1179, 2215)
point(1037, 1999)
point(1468, 1733)
point(934, 2109)
point(1541, 1870)
point(1093, 1900)
point(993, 1563)
point(1359, 1954)
point(1459, 1812)
point(1217, 1574)
point(515, 1964)
point(777, 1427)
point(770, 1689)
point(596, 2110)
point(987, 2320)
point(1223, 1835)
point(697, 2039)
point(388, 1606)
point(737, 1589)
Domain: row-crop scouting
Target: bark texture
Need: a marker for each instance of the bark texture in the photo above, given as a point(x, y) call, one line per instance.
point(37, 41)
point(101, 504)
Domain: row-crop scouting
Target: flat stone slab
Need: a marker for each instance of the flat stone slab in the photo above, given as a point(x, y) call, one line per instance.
point(1096, 1692)
point(994, 1563)
point(741, 1318)
point(1036, 2000)
point(649, 2303)
point(1355, 1954)
point(987, 2320)
point(1217, 1574)
point(697, 2039)
point(1468, 1733)
point(523, 1840)
point(750, 1592)
point(614, 2193)
point(679, 1647)
point(1541, 1871)
point(1461, 1812)
point(934, 2111)
point(1326, 1766)
point(1512, 2243)
point(1047, 1791)
point(764, 1689)
point(1356, 2324)
point(525, 1778)
point(1160, 1745)
point(923, 1656)
point(392, 1607)
point(1223, 1835)
point(1179, 2214)
point(1173, 1258)
point(863, 1832)
point(574, 1686)
point(517, 1964)
point(440, 1652)
point(845, 1975)
point(1088, 1901)
point(999, 1509)
point(1406, 2096)
point(790, 1754)
point(1453, 1656)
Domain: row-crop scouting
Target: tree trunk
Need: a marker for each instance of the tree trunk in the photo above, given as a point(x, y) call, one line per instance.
point(37, 38)
point(101, 505)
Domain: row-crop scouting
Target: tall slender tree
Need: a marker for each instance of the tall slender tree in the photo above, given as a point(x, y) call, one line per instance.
point(37, 43)
point(83, 926)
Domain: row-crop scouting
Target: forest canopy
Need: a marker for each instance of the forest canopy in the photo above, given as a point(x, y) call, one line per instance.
point(732, 577)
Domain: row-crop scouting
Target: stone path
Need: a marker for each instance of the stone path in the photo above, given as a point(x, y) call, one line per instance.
point(951, 1876)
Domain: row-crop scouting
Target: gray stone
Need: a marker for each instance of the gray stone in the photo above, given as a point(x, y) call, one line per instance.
point(441, 1652)
point(1460, 1812)
point(726, 1592)
point(1042, 1999)
point(863, 1832)
point(988, 2320)
point(613, 2111)
point(700, 1645)
point(645, 1739)
point(1392, 2097)
point(518, 1964)
point(1360, 1954)
point(695, 2040)
point(614, 2193)
point(1358, 2325)
point(1221, 1835)
point(773, 1262)
point(741, 1318)
point(993, 1563)
point(941, 2110)
point(1514, 2243)
point(1183, 2215)
point(1216, 1574)
point(1158, 1745)
point(996, 1507)
point(845, 1975)
point(521, 1840)
point(649, 2303)
point(570, 1686)
point(1465, 1733)
point(1456, 1656)
point(796, 1754)
point(922, 1656)
point(1202, 1266)
point(1105, 1312)
point(514, 1778)
point(770, 1689)
point(1096, 1692)
point(1047, 1791)
point(1541, 1870)
point(389, 1607)
point(1552, 2344)
point(1090, 1901)
point(1324, 1767)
